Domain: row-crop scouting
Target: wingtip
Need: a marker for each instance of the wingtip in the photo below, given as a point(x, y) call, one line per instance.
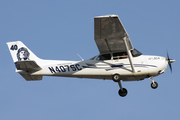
point(104, 16)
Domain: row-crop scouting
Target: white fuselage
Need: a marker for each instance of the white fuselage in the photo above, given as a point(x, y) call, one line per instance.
point(145, 67)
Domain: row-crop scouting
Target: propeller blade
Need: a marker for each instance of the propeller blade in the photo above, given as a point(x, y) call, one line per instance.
point(169, 61)
point(168, 57)
point(170, 67)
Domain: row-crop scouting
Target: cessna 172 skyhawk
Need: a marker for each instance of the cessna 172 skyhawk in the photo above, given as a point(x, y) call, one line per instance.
point(118, 59)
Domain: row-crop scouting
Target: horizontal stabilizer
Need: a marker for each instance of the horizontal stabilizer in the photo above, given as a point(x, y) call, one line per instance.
point(31, 77)
point(28, 65)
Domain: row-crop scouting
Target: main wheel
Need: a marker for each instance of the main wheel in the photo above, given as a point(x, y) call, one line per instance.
point(123, 92)
point(116, 77)
point(154, 85)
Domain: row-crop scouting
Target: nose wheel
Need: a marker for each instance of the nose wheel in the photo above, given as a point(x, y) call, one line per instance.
point(154, 84)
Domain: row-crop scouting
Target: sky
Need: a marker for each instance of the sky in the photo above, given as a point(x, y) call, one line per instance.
point(60, 30)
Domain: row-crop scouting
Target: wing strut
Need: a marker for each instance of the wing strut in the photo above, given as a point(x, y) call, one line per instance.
point(129, 54)
point(107, 45)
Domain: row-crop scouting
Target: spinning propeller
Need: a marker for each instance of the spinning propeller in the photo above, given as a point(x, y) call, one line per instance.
point(170, 61)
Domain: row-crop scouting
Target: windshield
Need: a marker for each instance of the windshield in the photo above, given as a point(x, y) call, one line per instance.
point(93, 58)
point(135, 53)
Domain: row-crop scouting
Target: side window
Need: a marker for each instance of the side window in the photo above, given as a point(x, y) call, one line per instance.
point(120, 55)
point(104, 57)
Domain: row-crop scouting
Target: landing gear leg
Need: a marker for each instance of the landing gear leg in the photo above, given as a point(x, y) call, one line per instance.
point(116, 77)
point(154, 84)
point(122, 91)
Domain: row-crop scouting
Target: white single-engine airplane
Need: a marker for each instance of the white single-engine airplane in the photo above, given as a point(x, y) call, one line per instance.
point(118, 59)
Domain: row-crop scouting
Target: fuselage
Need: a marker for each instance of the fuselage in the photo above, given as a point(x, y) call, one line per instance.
point(117, 60)
point(145, 66)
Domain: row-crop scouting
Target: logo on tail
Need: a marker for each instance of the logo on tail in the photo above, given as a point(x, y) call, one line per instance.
point(23, 54)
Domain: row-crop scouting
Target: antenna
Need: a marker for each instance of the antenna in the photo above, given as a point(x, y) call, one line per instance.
point(80, 57)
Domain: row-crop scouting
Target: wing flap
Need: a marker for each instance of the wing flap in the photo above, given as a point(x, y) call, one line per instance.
point(109, 34)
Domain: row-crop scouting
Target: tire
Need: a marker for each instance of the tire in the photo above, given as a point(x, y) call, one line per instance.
point(123, 92)
point(154, 85)
point(116, 77)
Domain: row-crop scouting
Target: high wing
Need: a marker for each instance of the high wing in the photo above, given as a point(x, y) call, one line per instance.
point(109, 34)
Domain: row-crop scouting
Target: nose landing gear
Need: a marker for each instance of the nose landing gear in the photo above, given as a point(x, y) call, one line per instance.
point(154, 84)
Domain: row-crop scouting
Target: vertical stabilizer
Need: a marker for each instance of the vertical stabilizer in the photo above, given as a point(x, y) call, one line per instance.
point(20, 52)
point(25, 60)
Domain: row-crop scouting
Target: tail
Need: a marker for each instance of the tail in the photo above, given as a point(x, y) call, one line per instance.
point(20, 52)
point(25, 60)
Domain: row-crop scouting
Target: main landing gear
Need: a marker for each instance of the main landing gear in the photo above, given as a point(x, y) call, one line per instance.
point(122, 91)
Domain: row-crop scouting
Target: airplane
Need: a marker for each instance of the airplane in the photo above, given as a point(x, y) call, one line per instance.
point(118, 60)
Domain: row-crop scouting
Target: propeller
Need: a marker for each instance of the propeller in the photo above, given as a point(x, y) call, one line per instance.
point(170, 61)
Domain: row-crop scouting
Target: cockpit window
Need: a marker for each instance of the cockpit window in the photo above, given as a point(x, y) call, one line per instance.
point(120, 55)
point(117, 55)
point(104, 57)
point(135, 53)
